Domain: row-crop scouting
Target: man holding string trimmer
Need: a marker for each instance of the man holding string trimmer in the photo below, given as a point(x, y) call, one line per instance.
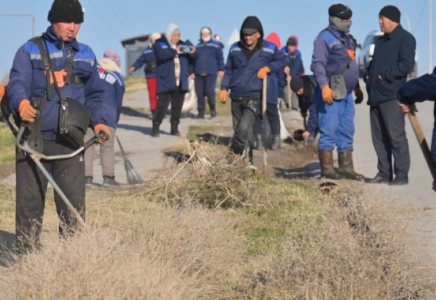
point(43, 89)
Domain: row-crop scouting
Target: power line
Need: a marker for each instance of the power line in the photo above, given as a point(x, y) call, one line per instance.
point(120, 20)
point(129, 19)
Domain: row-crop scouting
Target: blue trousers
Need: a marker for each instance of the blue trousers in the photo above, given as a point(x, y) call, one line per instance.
point(336, 123)
point(205, 87)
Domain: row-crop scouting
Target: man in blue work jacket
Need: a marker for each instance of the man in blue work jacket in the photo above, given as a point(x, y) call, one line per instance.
point(334, 53)
point(249, 61)
point(80, 82)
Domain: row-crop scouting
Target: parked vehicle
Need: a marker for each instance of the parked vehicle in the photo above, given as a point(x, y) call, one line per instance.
point(367, 51)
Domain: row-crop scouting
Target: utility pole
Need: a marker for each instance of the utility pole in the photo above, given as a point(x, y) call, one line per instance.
point(430, 40)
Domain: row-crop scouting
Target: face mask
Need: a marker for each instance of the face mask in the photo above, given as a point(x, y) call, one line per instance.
point(206, 39)
point(340, 25)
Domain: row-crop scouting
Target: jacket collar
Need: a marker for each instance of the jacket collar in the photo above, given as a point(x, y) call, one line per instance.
point(51, 36)
point(336, 32)
point(394, 33)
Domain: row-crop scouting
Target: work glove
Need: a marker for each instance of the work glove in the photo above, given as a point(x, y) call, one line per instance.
point(359, 95)
point(2, 90)
point(131, 70)
point(351, 53)
point(263, 72)
point(223, 96)
point(102, 128)
point(192, 76)
point(327, 95)
point(27, 112)
point(221, 74)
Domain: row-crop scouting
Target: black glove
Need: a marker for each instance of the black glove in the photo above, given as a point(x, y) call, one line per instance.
point(359, 95)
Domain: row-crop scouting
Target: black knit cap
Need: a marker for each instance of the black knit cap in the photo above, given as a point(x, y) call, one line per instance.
point(341, 11)
point(296, 84)
point(251, 25)
point(66, 11)
point(291, 42)
point(391, 12)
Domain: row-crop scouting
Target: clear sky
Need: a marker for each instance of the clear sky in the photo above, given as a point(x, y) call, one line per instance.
point(107, 22)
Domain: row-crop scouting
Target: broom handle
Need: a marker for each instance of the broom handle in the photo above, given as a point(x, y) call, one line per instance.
point(121, 147)
point(264, 94)
point(422, 143)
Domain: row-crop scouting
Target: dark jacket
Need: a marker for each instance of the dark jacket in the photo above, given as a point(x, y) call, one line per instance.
point(165, 71)
point(114, 89)
point(208, 59)
point(295, 60)
point(419, 90)
point(330, 55)
point(147, 58)
point(27, 80)
point(394, 58)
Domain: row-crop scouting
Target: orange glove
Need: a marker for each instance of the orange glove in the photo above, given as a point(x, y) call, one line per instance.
point(2, 90)
point(263, 72)
point(192, 76)
point(27, 112)
point(99, 128)
point(351, 53)
point(132, 69)
point(221, 74)
point(223, 96)
point(327, 95)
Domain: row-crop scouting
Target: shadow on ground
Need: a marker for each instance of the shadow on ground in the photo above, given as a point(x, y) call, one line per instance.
point(143, 129)
point(7, 241)
point(134, 113)
point(215, 139)
point(311, 171)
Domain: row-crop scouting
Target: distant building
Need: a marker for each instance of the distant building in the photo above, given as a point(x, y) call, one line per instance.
point(134, 48)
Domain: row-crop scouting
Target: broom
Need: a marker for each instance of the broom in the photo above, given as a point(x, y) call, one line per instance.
point(132, 176)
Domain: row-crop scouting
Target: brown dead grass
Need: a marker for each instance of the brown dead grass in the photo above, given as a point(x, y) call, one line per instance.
point(215, 231)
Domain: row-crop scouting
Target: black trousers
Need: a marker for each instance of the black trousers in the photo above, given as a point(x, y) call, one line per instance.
point(389, 139)
point(244, 113)
point(69, 174)
point(272, 113)
point(176, 98)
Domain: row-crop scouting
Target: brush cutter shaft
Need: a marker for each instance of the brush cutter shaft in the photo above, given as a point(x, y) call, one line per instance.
point(422, 143)
point(59, 192)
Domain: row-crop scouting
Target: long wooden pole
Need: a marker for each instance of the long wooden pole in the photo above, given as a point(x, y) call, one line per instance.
point(264, 120)
point(422, 143)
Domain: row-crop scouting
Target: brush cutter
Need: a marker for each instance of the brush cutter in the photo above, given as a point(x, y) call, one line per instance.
point(37, 156)
point(132, 176)
point(422, 143)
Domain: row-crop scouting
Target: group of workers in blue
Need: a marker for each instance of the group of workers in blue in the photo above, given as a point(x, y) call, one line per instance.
point(55, 68)
point(325, 97)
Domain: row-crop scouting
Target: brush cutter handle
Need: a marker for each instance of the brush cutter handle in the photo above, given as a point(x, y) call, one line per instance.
point(22, 145)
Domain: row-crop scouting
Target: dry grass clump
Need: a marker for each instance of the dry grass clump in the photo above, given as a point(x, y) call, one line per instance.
point(282, 239)
point(209, 178)
point(346, 250)
point(163, 254)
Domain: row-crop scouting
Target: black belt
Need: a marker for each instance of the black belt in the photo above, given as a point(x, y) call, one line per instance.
point(74, 79)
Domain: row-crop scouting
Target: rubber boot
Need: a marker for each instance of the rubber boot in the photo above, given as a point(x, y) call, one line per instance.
point(155, 129)
point(200, 114)
point(277, 142)
point(88, 181)
point(174, 130)
point(346, 166)
point(212, 111)
point(326, 161)
point(110, 181)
